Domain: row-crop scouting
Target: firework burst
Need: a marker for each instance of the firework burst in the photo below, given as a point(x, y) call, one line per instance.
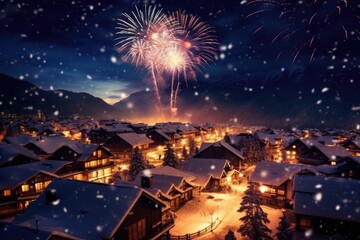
point(309, 26)
point(177, 44)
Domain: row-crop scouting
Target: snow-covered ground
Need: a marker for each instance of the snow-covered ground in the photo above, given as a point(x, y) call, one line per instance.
point(198, 213)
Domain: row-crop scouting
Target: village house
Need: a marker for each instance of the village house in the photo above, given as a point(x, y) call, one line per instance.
point(121, 145)
point(327, 205)
point(274, 182)
point(221, 150)
point(297, 148)
point(321, 154)
point(211, 174)
point(353, 146)
point(19, 186)
point(86, 210)
point(100, 135)
point(44, 147)
point(173, 186)
point(91, 160)
point(13, 154)
point(350, 167)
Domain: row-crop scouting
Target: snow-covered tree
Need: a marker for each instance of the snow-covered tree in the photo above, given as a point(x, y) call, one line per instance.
point(255, 219)
point(137, 163)
point(170, 158)
point(284, 230)
point(252, 150)
point(230, 235)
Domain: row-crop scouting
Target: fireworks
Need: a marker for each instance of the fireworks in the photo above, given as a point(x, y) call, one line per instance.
point(176, 45)
point(309, 26)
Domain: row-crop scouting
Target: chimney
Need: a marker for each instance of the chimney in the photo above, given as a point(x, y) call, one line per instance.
point(146, 181)
point(50, 196)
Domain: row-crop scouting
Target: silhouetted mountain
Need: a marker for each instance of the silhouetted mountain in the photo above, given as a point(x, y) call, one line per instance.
point(274, 99)
point(22, 97)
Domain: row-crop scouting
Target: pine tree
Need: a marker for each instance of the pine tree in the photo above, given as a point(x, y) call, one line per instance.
point(137, 163)
point(170, 158)
point(230, 235)
point(251, 149)
point(192, 147)
point(284, 230)
point(185, 153)
point(253, 222)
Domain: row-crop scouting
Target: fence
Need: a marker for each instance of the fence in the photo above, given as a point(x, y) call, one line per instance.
point(199, 233)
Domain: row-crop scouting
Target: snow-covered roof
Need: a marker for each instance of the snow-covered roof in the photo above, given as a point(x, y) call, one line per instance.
point(12, 231)
point(51, 166)
point(85, 150)
point(222, 143)
point(11, 177)
point(332, 152)
point(9, 151)
point(327, 197)
point(162, 182)
point(120, 127)
point(135, 139)
point(275, 174)
point(19, 140)
point(204, 168)
point(162, 133)
point(51, 144)
point(169, 171)
point(85, 210)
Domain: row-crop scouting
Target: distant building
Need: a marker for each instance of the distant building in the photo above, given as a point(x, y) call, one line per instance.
point(13, 154)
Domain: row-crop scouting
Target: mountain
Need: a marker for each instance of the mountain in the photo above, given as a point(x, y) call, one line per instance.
point(22, 97)
point(281, 98)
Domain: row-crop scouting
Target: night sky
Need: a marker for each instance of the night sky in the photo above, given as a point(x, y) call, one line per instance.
point(70, 44)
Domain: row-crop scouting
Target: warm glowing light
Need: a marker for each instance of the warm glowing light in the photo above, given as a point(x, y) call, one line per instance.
point(263, 188)
point(228, 179)
point(333, 163)
point(187, 44)
point(155, 36)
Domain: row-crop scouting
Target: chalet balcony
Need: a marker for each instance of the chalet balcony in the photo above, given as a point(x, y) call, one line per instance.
point(163, 227)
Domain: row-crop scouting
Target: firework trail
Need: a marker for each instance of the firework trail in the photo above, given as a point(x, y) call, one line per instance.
point(308, 25)
point(197, 49)
point(134, 32)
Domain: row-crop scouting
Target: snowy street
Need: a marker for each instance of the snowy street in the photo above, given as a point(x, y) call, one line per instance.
point(198, 213)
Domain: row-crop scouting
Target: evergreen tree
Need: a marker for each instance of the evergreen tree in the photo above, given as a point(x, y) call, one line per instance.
point(192, 147)
point(253, 222)
point(170, 158)
point(230, 235)
point(185, 153)
point(137, 163)
point(251, 149)
point(284, 231)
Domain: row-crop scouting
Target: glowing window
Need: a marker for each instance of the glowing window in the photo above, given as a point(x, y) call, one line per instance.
point(272, 190)
point(7, 192)
point(281, 192)
point(39, 186)
point(333, 163)
point(25, 188)
point(99, 153)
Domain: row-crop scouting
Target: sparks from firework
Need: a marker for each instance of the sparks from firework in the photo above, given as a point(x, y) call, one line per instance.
point(197, 49)
point(134, 32)
point(315, 21)
point(177, 44)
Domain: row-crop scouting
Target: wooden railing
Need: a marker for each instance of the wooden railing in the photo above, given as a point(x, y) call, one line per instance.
point(199, 233)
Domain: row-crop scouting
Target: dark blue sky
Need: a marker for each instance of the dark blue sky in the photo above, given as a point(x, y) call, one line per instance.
point(70, 44)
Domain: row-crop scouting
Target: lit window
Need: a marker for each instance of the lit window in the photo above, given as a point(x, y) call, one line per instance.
point(272, 190)
point(263, 188)
point(333, 163)
point(7, 192)
point(99, 153)
point(25, 188)
point(281, 192)
point(46, 183)
point(305, 223)
point(39, 186)
point(294, 146)
point(94, 154)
